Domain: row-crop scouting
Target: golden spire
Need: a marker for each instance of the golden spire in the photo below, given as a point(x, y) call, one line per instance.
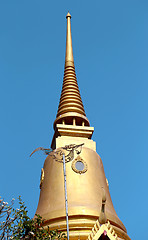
point(70, 110)
point(69, 60)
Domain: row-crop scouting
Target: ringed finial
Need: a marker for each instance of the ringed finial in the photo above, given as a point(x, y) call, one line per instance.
point(71, 110)
point(68, 15)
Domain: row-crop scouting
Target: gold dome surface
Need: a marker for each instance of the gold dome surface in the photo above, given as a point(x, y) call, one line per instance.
point(84, 196)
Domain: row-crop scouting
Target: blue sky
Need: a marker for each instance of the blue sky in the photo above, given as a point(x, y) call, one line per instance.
point(110, 43)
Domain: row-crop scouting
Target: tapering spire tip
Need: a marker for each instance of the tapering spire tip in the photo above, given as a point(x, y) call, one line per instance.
point(68, 15)
point(70, 106)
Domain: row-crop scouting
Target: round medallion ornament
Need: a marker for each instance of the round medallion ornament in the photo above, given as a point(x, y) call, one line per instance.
point(79, 165)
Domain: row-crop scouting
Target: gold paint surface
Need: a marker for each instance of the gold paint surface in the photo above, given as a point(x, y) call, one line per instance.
point(84, 195)
point(64, 140)
point(98, 230)
point(70, 105)
point(69, 60)
point(69, 134)
point(84, 191)
point(42, 177)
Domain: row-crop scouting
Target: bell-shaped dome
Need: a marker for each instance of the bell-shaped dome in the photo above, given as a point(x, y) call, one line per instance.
point(84, 192)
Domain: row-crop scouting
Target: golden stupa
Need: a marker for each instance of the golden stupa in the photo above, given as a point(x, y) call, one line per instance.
point(84, 170)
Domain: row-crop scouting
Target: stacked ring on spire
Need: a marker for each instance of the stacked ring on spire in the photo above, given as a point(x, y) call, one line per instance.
point(71, 105)
point(70, 100)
